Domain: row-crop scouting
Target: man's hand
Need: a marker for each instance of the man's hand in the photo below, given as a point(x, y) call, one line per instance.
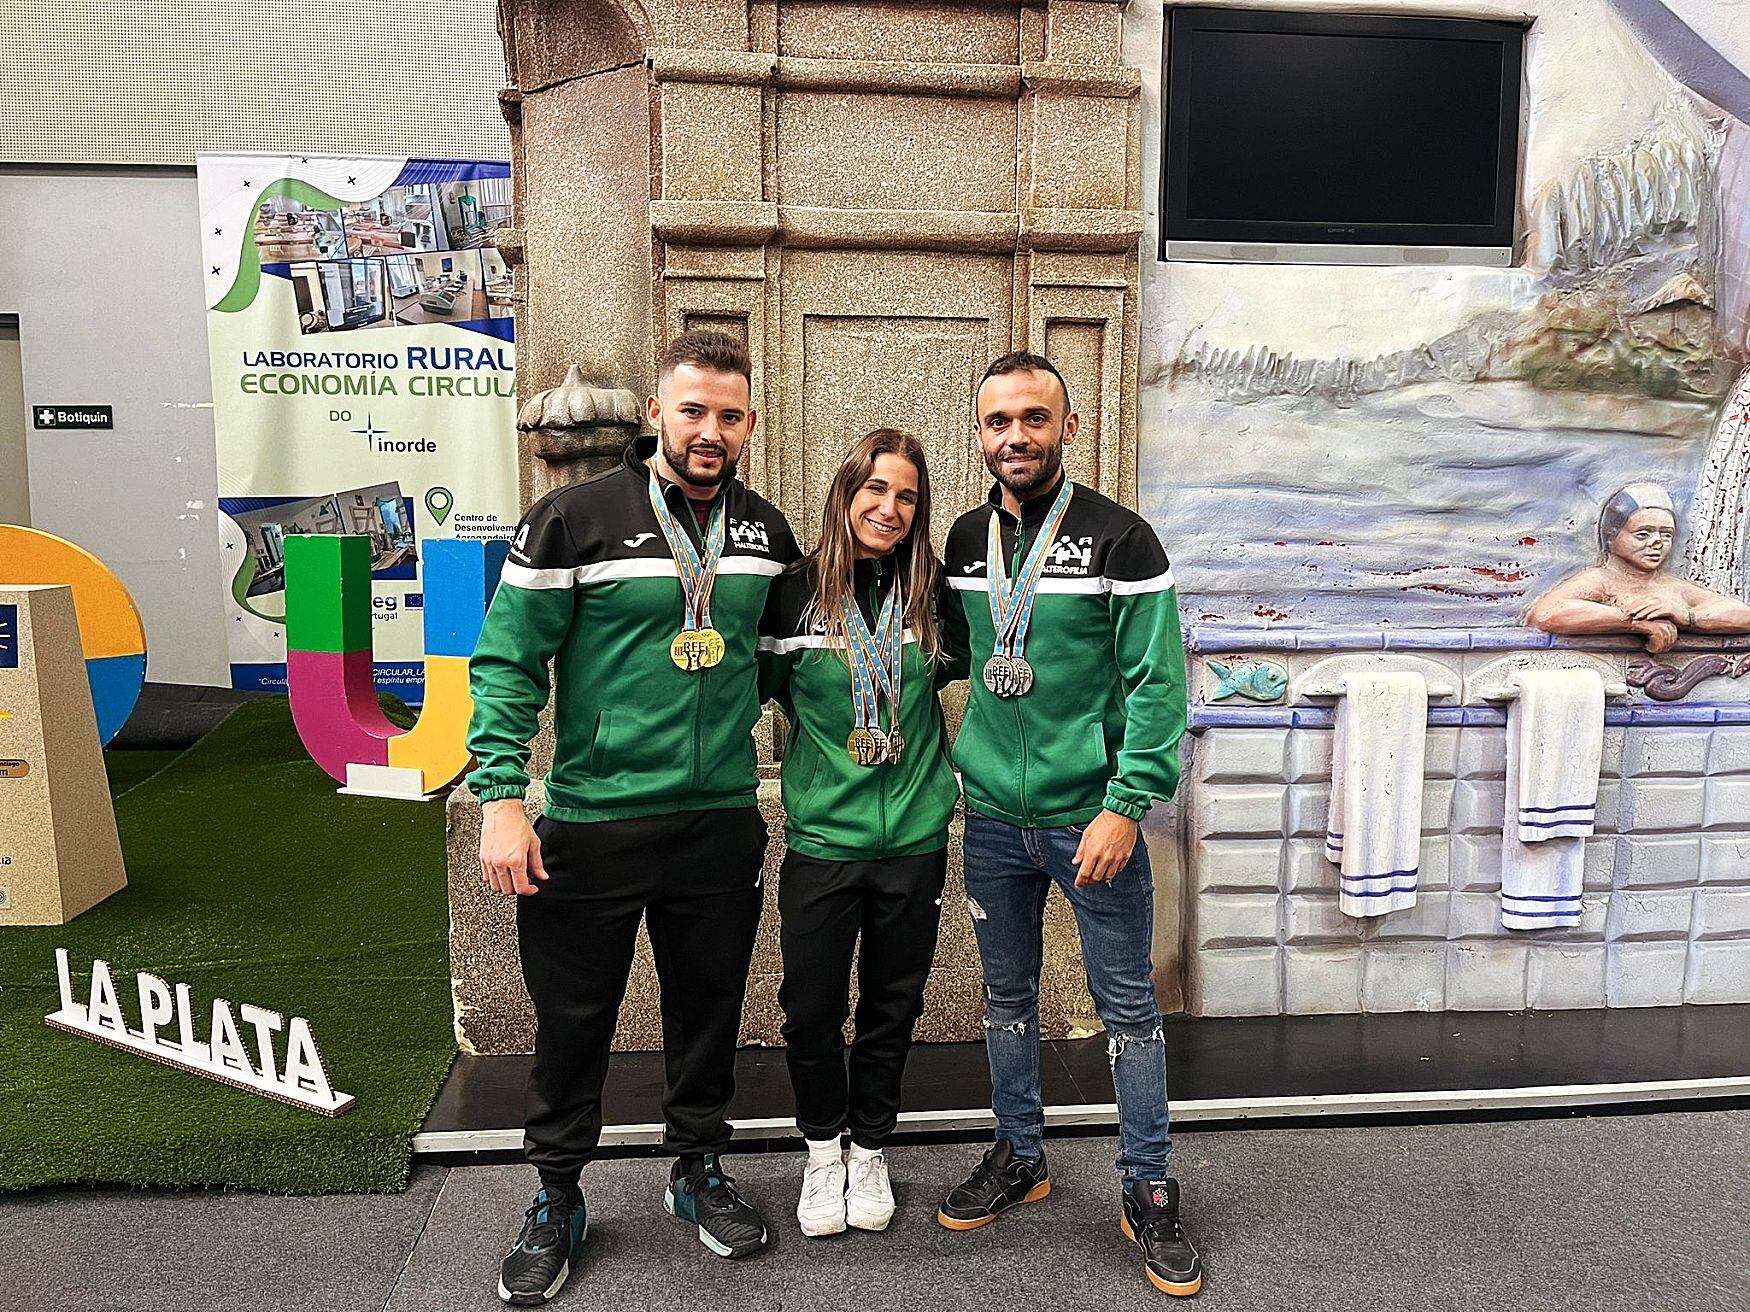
point(1105, 848)
point(510, 854)
point(1681, 616)
point(1661, 635)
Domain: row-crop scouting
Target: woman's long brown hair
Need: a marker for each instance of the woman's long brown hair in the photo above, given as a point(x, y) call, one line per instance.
point(831, 562)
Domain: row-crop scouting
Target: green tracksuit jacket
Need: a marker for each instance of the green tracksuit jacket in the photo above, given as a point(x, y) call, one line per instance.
point(590, 585)
point(835, 809)
point(1101, 726)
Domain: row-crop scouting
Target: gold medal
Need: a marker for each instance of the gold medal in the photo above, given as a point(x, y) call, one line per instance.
point(867, 746)
point(696, 649)
point(895, 745)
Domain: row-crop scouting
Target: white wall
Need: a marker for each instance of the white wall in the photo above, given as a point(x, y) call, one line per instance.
point(156, 81)
point(103, 272)
point(14, 490)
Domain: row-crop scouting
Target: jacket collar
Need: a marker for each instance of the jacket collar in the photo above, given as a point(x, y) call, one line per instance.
point(1033, 512)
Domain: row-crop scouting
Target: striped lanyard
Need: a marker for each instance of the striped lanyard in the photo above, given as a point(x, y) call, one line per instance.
point(697, 576)
point(877, 660)
point(1011, 602)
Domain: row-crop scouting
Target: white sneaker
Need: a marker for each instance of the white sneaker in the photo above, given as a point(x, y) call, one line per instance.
point(869, 1198)
point(821, 1209)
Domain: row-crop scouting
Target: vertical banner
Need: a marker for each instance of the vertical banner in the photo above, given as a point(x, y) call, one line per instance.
point(359, 324)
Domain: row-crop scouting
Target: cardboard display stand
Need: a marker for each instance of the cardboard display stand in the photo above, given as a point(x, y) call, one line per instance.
point(59, 850)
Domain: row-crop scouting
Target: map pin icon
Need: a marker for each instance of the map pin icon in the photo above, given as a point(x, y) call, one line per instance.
point(438, 501)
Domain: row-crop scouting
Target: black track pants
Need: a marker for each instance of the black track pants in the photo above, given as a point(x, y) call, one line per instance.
point(695, 875)
point(895, 905)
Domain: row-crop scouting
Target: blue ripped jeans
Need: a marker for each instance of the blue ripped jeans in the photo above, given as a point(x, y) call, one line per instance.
point(1008, 873)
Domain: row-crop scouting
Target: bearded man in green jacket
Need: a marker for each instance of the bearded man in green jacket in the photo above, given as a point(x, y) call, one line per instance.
point(1064, 611)
point(644, 587)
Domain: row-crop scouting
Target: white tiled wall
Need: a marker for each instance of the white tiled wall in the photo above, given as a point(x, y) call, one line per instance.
point(1667, 904)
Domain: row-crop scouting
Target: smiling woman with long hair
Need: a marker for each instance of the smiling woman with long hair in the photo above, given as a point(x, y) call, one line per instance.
point(850, 648)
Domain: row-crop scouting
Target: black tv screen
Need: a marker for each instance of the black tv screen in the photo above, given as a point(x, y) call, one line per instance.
point(1345, 130)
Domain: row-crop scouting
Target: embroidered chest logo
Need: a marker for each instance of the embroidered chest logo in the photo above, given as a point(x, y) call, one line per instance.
point(749, 535)
point(1070, 555)
point(973, 568)
point(640, 540)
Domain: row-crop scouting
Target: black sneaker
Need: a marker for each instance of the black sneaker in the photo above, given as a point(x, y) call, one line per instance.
point(1001, 1180)
point(551, 1238)
point(701, 1192)
point(1151, 1221)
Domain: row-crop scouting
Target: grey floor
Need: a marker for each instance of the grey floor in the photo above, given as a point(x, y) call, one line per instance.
point(1647, 1211)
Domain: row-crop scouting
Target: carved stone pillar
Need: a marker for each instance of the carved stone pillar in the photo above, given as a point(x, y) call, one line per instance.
point(879, 198)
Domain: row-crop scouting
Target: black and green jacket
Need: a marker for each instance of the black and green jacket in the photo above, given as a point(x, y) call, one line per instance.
point(591, 586)
point(1101, 726)
point(835, 809)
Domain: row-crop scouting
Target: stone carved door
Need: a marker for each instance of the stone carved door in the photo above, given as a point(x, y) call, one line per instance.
point(902, 350)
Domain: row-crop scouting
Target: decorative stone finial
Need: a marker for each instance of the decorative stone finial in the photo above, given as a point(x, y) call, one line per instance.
point(578, 420)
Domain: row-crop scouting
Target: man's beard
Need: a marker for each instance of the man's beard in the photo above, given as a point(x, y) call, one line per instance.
point(1024, 485)
point(678, 455)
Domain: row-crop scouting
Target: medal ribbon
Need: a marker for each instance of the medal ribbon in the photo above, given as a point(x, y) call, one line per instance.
point(876, 659)
point(1011, 603)
point(697, 576)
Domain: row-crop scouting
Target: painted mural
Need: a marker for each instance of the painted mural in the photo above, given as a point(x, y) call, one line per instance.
point(1428, 448)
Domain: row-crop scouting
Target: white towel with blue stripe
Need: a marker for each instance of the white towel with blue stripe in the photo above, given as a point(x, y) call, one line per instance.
point(1374, 834)
point(1555, 747)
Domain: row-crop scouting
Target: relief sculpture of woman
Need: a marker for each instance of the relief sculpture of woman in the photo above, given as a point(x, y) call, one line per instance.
point(1630, 590)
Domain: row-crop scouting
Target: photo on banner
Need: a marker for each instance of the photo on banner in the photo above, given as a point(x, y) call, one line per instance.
point(359, 321)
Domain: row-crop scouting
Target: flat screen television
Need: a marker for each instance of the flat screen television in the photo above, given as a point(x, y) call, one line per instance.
point(1329, 138)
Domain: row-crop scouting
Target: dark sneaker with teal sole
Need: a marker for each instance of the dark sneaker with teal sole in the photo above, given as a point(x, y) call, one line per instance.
point(997, 1183)
point(550, 1243)
point(701, 1193)
point(1151, 1221)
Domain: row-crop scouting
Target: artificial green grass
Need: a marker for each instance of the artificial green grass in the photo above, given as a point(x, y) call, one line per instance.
point(248, 879)
point(131, 769)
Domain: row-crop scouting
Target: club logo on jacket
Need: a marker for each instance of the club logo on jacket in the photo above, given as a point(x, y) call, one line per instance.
point(1070, 555)
point(749, 535)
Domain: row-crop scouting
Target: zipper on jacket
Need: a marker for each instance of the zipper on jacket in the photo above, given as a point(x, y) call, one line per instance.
point(881, 781)
point(699, 726)
point(1015, 702)
point(690, 525)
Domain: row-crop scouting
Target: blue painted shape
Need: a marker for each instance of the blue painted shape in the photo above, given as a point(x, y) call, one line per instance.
point(504, 328)
point(419, 170)
point(115, 688)
point(460, 578)
point(1427, 640)
point(1342, 639)
point(8, 637)
point(1218, 638)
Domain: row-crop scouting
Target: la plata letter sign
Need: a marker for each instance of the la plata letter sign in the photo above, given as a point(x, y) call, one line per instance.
point(166, 1034)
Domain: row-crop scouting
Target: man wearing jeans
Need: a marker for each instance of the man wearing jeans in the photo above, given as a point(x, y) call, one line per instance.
point(1068, 622)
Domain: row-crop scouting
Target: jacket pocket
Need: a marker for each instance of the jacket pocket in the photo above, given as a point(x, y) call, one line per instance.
point(1077, 760)
point(800, 775)
point(599, 742)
